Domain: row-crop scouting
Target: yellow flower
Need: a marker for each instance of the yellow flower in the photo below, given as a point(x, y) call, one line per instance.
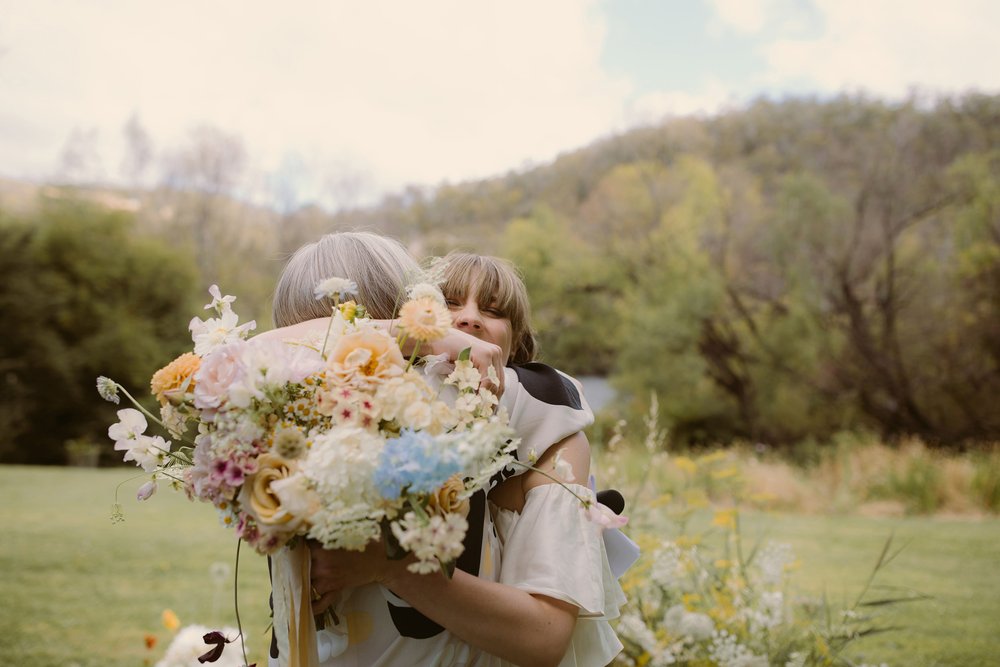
point(661, 501)
point(708, 459)
point(724, 473)
point(723, 564)
point(349, 309)
point(425, 319)
point(696, 498)
point(446, 501)
point(173, 376)
point(686, 464)
point(170, 620)
point(725, 519)
point(688, 541)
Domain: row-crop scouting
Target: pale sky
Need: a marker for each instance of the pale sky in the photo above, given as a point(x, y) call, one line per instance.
point(422, 92)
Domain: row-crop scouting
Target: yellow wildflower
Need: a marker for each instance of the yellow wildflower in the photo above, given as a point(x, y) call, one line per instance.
point(661, 501)
point(170, 620)
point(695, 498)
point(688, 541)
point(686, 464)
point(725, 473)
point(725, 519)
point(349, 309)
point(709, 459)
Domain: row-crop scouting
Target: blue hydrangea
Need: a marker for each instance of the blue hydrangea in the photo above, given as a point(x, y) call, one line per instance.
point(415, 461)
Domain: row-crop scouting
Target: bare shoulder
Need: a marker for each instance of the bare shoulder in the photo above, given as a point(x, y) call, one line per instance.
point(574, 450)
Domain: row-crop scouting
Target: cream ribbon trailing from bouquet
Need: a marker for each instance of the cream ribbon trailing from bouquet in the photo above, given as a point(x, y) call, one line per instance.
point(294, 626)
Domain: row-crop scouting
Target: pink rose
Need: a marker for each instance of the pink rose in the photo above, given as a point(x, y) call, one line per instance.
point(220, 369)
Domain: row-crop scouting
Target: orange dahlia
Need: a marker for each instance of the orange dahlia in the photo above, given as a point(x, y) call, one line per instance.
point(172, 376)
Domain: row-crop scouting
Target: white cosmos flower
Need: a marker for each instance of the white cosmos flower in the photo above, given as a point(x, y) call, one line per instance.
point(219, 303)
point(148, 452)
point(131, 424)
point(335, 287)
point(218, 331)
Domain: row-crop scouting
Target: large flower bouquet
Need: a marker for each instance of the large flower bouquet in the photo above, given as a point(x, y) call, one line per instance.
point(341, 439)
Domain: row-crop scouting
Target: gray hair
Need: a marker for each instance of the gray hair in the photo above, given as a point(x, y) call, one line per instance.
point(378, 265)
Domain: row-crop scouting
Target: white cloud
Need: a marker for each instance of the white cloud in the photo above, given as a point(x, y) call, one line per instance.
point(409, 91)
point(744, 16)
point(883, 47)
point(887, 48)
point(654, 107)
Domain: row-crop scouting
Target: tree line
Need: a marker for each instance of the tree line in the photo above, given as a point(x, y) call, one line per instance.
point(774, 273)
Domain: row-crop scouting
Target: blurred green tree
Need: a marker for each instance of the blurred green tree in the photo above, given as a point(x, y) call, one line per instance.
point(82, 295)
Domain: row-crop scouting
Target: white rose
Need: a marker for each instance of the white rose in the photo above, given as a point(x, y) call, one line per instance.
point(416, 415)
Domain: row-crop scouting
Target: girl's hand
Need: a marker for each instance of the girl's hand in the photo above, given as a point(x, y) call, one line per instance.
point(484, 356)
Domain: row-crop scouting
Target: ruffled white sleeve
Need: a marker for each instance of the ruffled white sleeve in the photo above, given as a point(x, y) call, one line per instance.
point(551, 548)
point(544, 406)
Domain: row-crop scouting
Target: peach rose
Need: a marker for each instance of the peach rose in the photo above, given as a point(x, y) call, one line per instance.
point(261, 501)
point(365, 356)
point(446, 500)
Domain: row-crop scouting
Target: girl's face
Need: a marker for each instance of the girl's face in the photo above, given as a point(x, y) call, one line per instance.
point(484, 322)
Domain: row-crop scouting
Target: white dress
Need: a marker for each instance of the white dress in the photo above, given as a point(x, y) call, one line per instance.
point(551, 548)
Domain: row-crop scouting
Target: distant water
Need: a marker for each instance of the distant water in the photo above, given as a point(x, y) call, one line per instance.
point(597, 390)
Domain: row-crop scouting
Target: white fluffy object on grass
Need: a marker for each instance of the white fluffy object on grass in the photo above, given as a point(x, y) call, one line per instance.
point(188, 645)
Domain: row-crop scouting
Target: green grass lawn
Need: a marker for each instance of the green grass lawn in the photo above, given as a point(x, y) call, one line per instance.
point(955, 562)
point(78, 590)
